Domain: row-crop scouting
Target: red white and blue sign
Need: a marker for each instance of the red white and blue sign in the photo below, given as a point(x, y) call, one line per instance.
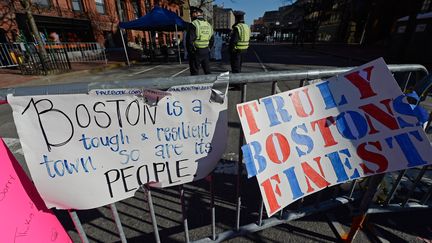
point(353, 125)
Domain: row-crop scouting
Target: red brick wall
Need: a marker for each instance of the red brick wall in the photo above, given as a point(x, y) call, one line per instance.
point(99, 23)
point(7, 19)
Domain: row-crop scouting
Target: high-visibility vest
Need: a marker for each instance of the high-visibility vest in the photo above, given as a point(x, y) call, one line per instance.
point(204, 32)
point(244, 36)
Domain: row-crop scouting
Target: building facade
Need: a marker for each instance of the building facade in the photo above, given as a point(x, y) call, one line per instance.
point(223, 19)
point(258, 26)
point(206, 6)
point(342, 21)
point(80, 20)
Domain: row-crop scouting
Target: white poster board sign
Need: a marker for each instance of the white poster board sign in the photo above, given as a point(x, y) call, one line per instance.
point(354, 125)
point(88, 150)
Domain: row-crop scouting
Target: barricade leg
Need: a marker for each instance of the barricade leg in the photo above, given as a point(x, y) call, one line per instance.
point(302, 82)
point(427, 196)
point(361, 216)
point(414, 185)
point(78, 226)
point(407, 82)
point(184, 216)
point(212, 206)
point(281, 212)
point(275, 88)
point(118, 222)
point(239, 164)
point(394, 188)
point(260, 214)
point(152, 214)
point(352, 189)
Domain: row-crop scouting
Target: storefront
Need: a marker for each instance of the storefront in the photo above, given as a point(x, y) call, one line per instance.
point(68, 29)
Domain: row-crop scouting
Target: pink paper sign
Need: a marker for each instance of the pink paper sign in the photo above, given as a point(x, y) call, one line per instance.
point(24, 216)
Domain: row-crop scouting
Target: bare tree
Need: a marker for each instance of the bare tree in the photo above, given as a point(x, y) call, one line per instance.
point(27, 8)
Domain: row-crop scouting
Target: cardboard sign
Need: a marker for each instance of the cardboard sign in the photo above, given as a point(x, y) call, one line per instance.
point(86, 151)
point(24, 217)
point(354, 125)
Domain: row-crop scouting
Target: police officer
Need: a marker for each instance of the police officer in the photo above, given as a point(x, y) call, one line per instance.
point(199, 38)
point(239, 41)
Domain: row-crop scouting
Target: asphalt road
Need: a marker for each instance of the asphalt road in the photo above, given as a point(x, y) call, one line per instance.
point(98, 224)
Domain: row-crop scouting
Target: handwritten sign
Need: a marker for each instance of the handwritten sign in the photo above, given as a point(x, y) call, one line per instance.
point(354, 125)
point(24, 217)
point(85, 151)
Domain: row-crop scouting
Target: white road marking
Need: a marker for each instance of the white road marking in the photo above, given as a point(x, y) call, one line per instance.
point(259, 60)
point(182, 71)
point(143, 71)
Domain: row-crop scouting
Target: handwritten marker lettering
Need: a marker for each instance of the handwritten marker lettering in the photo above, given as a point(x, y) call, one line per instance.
point(6, 188)
point(110, 143)
point(24, 217)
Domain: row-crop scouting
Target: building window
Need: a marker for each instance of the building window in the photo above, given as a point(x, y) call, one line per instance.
point(43, 3)
point(100, 6)
point(147, 6)
point(123, 11)
point(77, 5)
point(426, 6)
point(136, 9)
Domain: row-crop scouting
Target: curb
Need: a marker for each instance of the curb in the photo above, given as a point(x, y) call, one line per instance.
point(109, 66)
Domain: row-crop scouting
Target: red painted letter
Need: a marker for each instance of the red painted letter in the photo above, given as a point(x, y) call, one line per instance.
point(363, 85)
point(324, 128)
point(311, 174)
point(372, 157)
point(248, 112)
point(283, 145)
point(270, 193)
point(298, 105)
point(387, 119)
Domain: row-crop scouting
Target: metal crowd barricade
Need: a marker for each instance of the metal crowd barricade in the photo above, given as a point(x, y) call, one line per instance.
point(81, 51)
point(10, 54)
point(322, 201)
point(27, 57)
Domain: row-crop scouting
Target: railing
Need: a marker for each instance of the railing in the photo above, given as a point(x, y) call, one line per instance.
point(360, 190)
point(10, 54)
point(27, 57)
point(80, 51)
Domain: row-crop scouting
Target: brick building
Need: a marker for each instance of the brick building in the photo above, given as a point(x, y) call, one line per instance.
point(223, 19)
point(81, 20)
point(206, 6)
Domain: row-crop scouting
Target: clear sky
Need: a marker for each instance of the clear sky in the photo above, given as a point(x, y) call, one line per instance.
point(253, 8)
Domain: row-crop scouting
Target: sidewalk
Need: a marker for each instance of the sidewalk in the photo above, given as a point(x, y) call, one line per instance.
point(12, 77)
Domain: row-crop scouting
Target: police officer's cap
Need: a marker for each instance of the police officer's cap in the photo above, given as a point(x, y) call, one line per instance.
point(239, 15)
point(195, 10)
